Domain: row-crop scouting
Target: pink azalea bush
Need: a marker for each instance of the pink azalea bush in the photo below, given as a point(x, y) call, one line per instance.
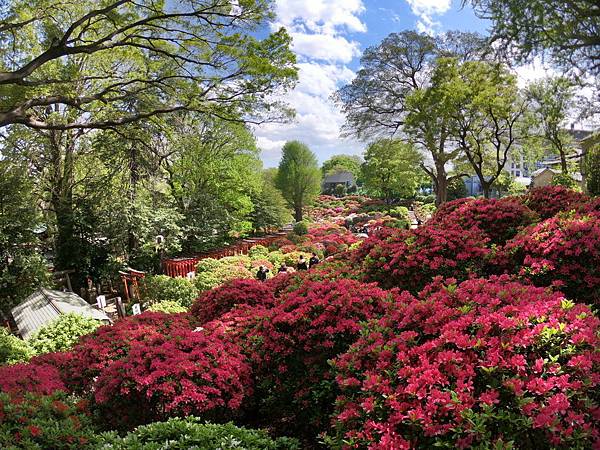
point(499, 219)
point(290, 344)
point(409, 259)
point(33, 377)
point(213, 304)
point(550, 200)
point(487, 362)
point(96, 351)
point(182, 373)
point(563, 251)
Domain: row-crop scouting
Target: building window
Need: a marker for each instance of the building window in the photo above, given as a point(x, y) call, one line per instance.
point(517, 173)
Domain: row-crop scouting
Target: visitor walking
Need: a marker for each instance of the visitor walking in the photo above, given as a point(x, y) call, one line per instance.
point(302, 263)
point(283, 268)
point(314, 260)
point(262, 273)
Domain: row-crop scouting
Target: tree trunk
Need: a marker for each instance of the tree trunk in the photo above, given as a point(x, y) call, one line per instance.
point(487, 187)
point(441, 185)
point(132, 241)
point(66, 247)
point(298, 213)
point(563, 163)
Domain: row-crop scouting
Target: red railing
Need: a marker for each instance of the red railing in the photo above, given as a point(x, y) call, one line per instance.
point(180, 267)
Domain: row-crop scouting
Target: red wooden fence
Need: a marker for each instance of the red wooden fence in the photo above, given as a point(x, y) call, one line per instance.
point(180, 267)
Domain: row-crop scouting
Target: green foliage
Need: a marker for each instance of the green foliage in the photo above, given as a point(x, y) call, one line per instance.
point(592, 170)
point(564, 179)
point(22, 268)
point(57, 422)
point(270, 209)
point(191, 432)
point(301, 228)
point(552, 100)
point(214, 176)
point(13, 349)
point(457, 189)
point(298, 177)
point(343, 163)
point(167, 306)
point(62, 333)
point(526, 28)
point(392, 169)
point(161, 288)
point(65, 54)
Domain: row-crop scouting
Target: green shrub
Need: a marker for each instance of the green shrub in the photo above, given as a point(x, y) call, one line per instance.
point(167, 306)
point(53, 422)
point(13, 349)
point(62, 333)
point(564, 179)
point(258, 251)
point(301, 228)
point(191, 433)
point(159, 288)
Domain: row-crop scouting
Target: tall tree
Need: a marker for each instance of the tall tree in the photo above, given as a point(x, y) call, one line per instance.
point(213, 171)
point(392, 169)
point(197, 55)
point(391, 85)
point(22, 268)
point(488, 115)
point(270, 209)
point(568, 29)
point(553, 101)
point(298, 177)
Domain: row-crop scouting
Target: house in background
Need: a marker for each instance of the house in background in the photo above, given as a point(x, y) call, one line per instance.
point(330, 182)
point(46, 305)
point(543, 177)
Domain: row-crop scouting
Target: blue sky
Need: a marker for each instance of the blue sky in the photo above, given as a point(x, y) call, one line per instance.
point(329, 37)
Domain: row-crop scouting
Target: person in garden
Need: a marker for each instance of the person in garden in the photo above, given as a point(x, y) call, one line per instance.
point(314, 260)
point(283, 268)
point(302, 263)
point(262, 273)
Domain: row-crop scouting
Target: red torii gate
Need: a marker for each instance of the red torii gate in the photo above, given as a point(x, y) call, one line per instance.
point(180, 267)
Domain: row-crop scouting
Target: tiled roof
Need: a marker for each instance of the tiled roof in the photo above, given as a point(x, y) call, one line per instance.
point(339, 177)
point(45, 305)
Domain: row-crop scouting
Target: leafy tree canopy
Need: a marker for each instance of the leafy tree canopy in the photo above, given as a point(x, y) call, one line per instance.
point(392, 169)
point(568, 30)
point(120, 61)
point(298, 177)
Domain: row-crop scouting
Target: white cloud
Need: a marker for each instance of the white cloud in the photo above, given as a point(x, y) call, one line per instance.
point(323, 16)
point(425, 10)
point(319, 29)
point(324, 46)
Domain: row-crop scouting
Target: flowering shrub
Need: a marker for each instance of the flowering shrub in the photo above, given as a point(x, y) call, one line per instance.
point(45, 422)
point(448, 208)
point(192, 432)
point(159, 288)
point(212, 304)
point(409, 259)
point(96, 351)
point(291, 343)
point(499, 219)
point(35, 377)
point(563, 251)
point(62, 333)
point(184, 372)
point(549, 200)
point(485, 364)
